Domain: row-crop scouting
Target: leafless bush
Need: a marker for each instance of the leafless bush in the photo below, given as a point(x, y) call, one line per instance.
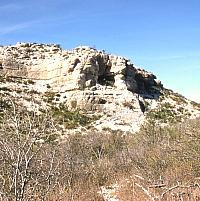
point(34, 166)
point(27, 158)
point(158, 163)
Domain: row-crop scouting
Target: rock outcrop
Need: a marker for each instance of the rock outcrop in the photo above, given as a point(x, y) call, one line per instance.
point(80, 68)
point(84, 78)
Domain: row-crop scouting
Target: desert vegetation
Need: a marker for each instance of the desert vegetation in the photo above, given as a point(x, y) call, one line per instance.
point(158, 163)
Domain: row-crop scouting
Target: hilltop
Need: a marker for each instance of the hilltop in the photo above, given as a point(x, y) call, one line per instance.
point(94, 82)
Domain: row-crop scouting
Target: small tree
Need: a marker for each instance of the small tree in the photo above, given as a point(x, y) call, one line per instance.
point(27, 153)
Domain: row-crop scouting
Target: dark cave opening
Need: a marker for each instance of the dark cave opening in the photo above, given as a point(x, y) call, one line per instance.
point(107, 80)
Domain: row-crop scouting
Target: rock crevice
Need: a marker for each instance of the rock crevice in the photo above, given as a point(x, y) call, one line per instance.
point(79, 68)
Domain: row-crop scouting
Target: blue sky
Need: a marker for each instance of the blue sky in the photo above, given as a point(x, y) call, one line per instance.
point(162, 36)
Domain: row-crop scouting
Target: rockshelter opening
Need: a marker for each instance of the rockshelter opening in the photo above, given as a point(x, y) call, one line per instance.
point(107, 80)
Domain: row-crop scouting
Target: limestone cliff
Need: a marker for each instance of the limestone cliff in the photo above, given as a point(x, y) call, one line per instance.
point(80, 68)
point(87, 79)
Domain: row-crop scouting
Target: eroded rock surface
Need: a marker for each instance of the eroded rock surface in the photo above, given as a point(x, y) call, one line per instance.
point(84, 78)
point(80, 68)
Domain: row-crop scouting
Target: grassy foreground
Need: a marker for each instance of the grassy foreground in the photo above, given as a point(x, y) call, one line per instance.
point(155, 164)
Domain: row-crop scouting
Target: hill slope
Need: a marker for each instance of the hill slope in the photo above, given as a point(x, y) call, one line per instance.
point(63, 120)
point(94, 82)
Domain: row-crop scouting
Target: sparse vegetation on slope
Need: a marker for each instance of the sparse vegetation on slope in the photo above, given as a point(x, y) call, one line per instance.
point(49, 152)
point(164, 113)
point(35, 166)
point(69, 119)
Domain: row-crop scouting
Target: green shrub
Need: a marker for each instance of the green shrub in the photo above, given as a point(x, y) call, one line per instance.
point(164, 113)
point(49, 96)
point(70, 119)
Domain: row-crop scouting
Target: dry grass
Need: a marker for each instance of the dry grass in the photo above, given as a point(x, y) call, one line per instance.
point(155, 164)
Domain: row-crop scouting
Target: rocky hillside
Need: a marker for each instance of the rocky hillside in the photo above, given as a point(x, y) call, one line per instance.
point(67, 120)
point(108, 89)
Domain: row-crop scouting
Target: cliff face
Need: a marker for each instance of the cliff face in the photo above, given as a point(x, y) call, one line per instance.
point(91, 80)
point(80, 68)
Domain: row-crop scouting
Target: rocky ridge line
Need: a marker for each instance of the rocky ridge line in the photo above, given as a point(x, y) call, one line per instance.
point(91, 80)
point(80, 68)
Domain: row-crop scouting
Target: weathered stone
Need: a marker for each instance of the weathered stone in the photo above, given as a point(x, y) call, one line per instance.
point(82, 67)
point(88, 79)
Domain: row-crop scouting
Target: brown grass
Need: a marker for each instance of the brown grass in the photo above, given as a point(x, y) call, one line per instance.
point(155, 164)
